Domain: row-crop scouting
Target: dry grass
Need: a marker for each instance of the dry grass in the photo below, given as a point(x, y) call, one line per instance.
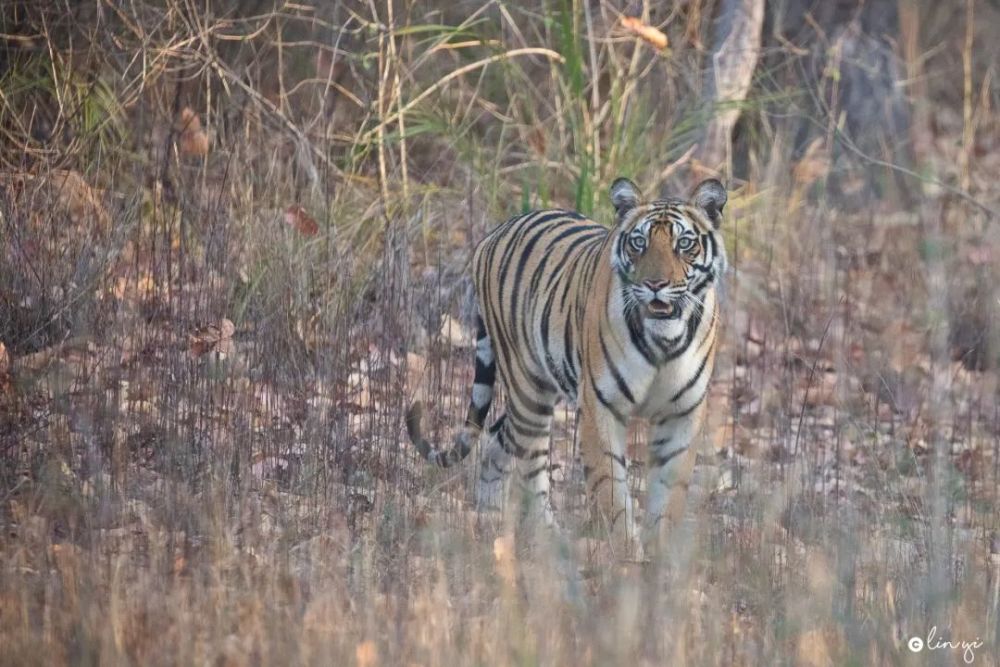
point(233, 248)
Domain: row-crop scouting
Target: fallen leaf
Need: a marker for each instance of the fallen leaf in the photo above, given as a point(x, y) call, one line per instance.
point(142, 287)
point(77, 198)
point(454, 332)
point(503, 553)
point(415, 367)
point(216, 337)
point(653, 36)
point(192, 140)
point(366, 654)
point(970, 462)
point(296, 216)
point(820, 388)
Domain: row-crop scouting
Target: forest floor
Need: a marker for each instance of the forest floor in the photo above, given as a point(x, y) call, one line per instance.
point(203, 457)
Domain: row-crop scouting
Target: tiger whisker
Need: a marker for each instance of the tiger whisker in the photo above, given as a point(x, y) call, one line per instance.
point(694, 299)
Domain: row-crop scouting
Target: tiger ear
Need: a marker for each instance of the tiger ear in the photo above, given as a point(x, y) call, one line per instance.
point(710, 196)
point(624, 196)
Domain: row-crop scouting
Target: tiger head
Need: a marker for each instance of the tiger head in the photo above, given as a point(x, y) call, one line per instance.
point(668, 251)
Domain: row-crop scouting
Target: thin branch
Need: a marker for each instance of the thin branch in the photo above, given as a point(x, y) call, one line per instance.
point(958, 192)
point(548, 53)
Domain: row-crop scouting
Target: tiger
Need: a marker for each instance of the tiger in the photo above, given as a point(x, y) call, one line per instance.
point(620, 321)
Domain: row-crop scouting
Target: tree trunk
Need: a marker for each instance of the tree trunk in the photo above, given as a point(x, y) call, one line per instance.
point(736, 38)
point(852, 71)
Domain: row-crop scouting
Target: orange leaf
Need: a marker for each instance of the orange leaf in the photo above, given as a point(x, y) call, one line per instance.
point(366, 654)
point(193, 139)
point(503, 553)
point(654, 36)
point(187, 121)
point(296, 216)
point(194, 143)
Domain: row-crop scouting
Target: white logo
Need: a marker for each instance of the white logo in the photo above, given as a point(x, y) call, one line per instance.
point(934, 642)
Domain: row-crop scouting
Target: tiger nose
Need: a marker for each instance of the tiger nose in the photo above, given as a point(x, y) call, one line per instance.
point(656, 285)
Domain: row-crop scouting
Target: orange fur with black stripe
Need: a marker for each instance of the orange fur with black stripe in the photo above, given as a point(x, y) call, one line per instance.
point(621, 321)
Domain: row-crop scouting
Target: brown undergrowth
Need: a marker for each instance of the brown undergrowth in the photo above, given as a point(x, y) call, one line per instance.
point(235, 247)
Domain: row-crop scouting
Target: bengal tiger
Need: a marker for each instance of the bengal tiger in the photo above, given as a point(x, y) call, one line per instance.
point(620, 321)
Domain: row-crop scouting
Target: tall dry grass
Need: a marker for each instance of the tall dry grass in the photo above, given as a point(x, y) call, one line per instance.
point(234, 247)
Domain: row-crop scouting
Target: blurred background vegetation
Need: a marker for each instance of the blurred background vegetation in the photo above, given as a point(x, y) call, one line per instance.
point(234, 244)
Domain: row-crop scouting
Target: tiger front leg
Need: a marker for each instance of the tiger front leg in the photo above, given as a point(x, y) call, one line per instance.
point(602, 444)
point(671, 462)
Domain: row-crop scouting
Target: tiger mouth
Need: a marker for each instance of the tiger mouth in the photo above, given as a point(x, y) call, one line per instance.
point(663, 310)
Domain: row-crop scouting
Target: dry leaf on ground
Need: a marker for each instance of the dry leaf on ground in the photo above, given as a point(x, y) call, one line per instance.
point(78, 198)
point(192, 138)
point(503, 553)
point(217, 337)
point(366, 654)
point(65, 190)
point(296, 216)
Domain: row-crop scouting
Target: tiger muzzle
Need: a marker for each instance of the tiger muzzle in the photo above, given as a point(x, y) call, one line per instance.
point(663, 309)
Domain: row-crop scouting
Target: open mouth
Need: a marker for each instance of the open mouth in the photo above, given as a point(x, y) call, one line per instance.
point(662, 310)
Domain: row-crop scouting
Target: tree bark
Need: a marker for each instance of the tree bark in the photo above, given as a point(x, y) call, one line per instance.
point(850, 66)
point(736, 39)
